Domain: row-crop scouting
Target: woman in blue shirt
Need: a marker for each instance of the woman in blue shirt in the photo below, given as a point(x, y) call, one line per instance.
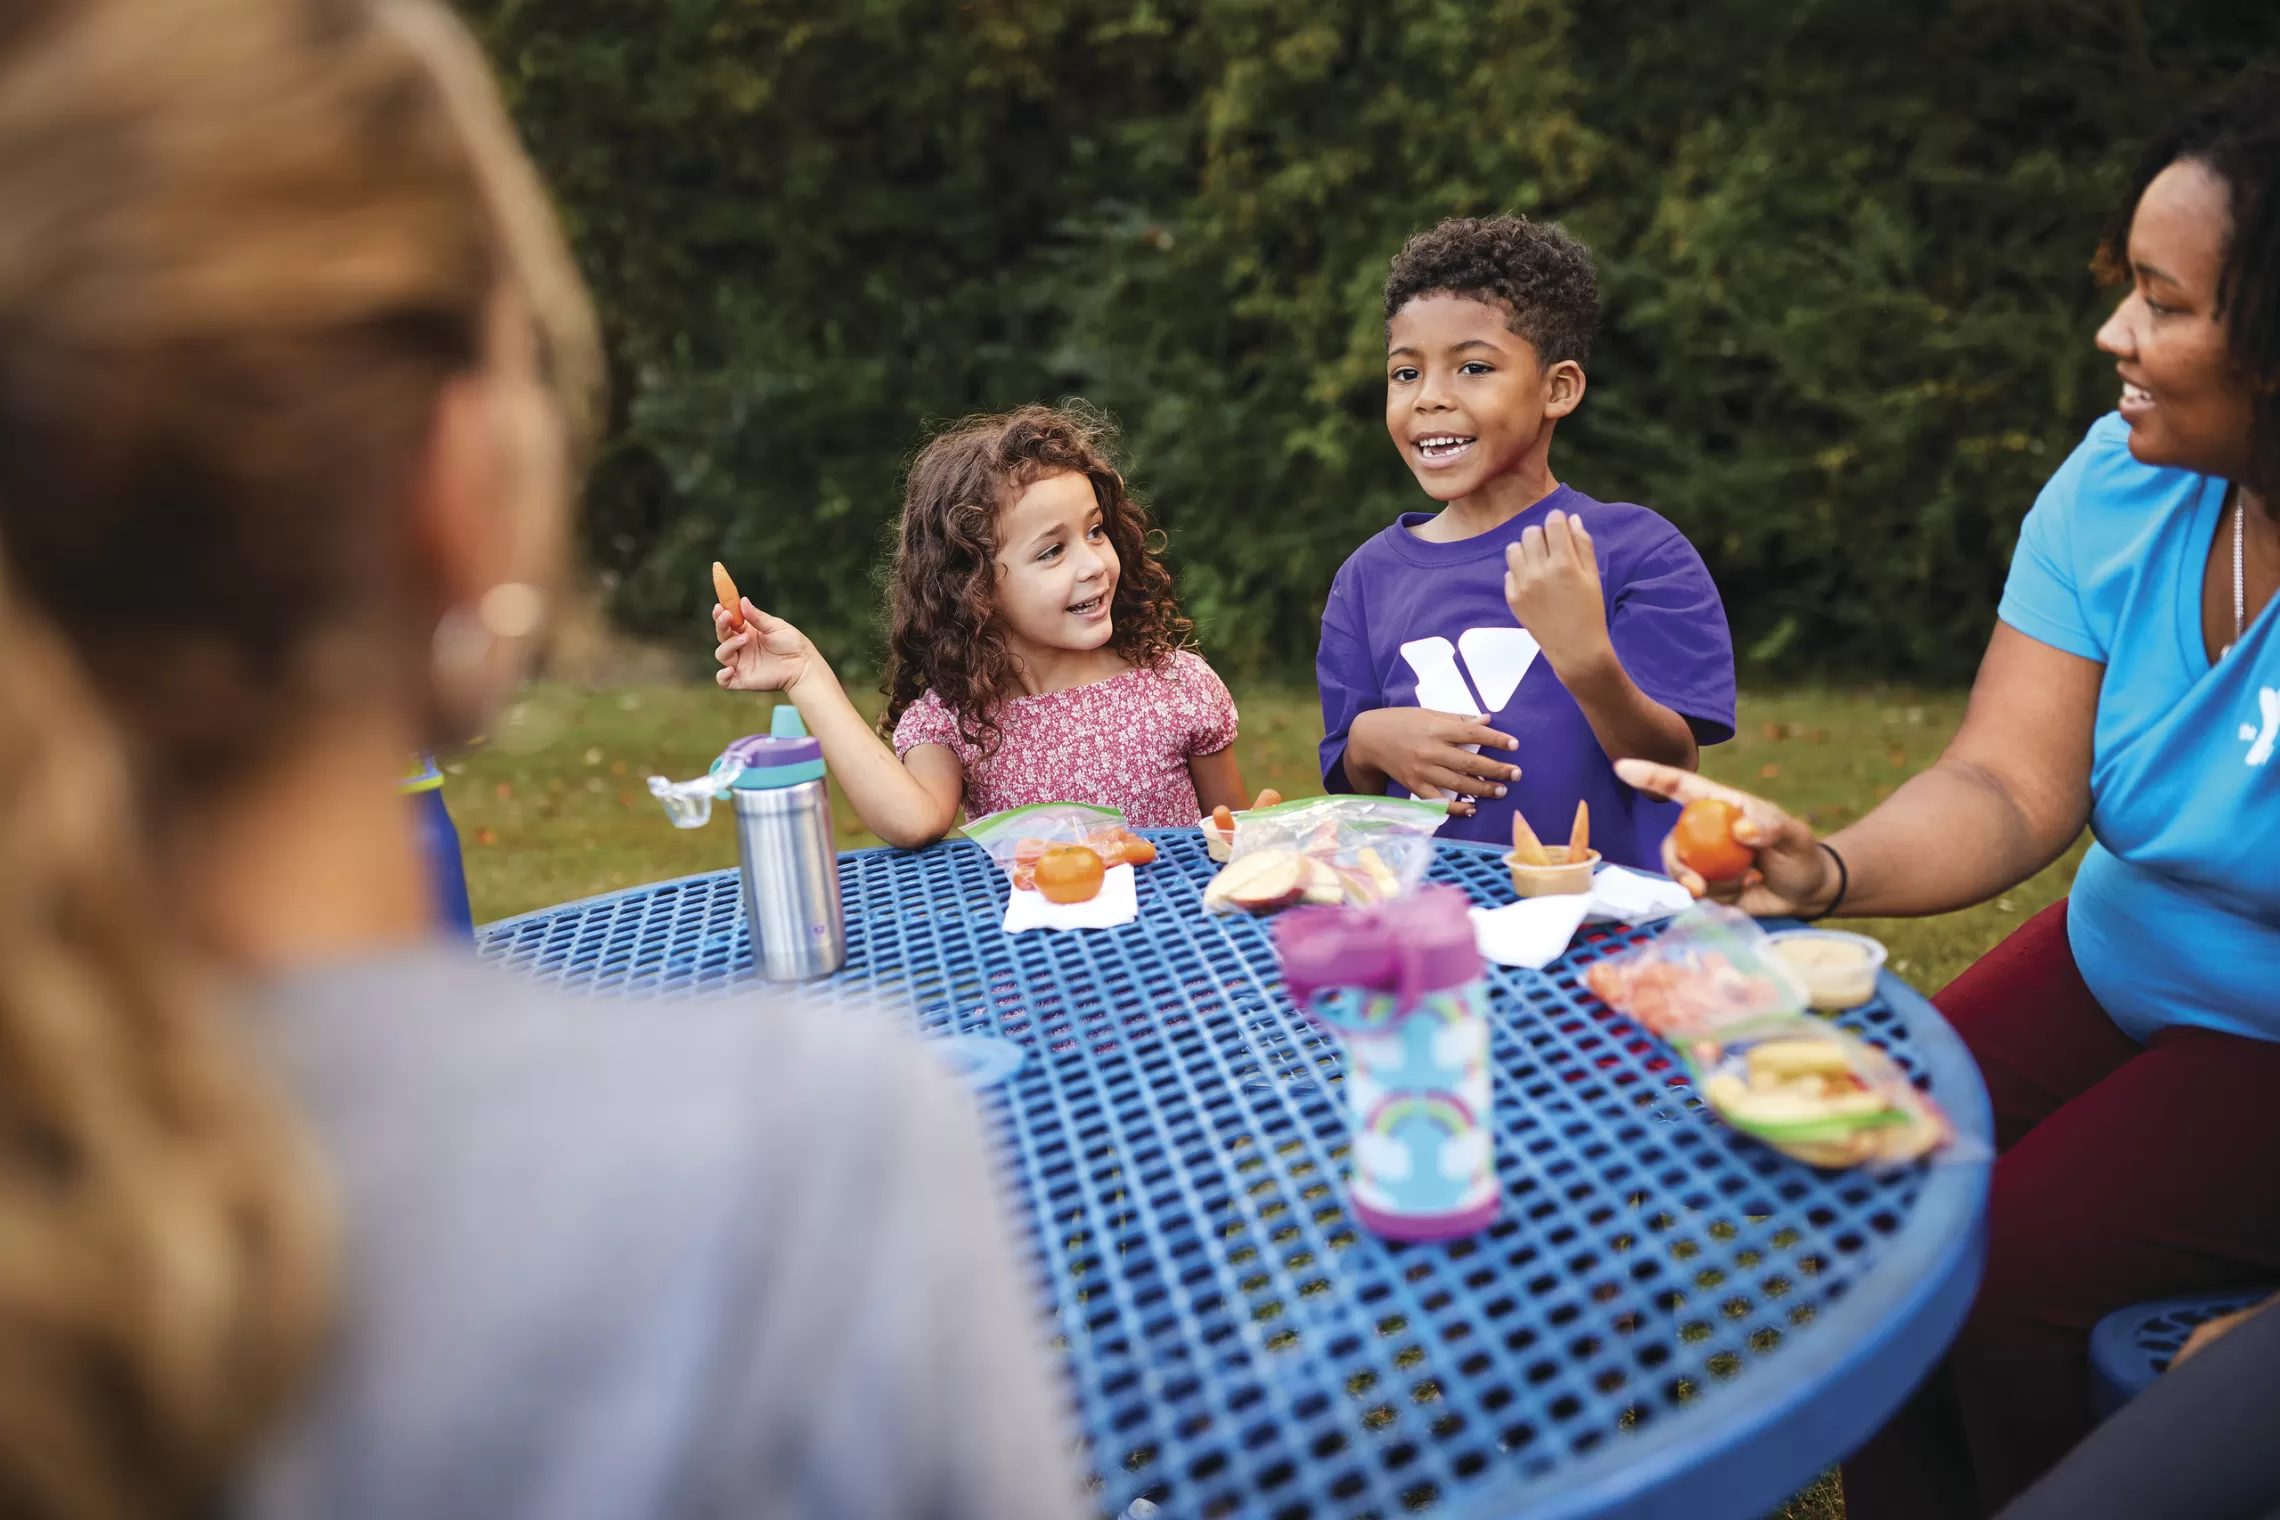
point(2130, 1037)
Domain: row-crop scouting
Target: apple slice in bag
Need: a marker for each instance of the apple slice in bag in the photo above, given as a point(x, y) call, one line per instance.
point(1259, 883)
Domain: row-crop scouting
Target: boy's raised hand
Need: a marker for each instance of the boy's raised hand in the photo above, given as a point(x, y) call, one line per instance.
point(1425, 752)
point(1551, 583)
point(768, 654)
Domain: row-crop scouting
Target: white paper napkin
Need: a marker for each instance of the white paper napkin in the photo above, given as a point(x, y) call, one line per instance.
point(1633, 897)
point(1117, 903)
point(1532, 932)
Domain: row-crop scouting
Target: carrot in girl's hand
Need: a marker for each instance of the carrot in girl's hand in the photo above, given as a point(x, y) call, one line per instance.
point(1579, 837)
point(725, 589)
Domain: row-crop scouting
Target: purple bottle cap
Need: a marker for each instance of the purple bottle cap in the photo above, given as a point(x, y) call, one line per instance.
point(770, 761)
point(1409, 947)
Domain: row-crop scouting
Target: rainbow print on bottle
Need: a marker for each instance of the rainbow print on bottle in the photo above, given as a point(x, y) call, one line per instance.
point(1401, 986)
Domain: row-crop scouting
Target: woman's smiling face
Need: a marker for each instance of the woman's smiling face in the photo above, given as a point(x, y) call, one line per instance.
point(1057, 570)
point(2184, 395)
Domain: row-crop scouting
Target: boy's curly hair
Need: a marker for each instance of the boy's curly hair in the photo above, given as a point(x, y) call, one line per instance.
point(1534, 270)
point(942, 626)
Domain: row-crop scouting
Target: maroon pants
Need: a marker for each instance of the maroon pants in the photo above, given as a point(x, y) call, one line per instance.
point(2124, 1172)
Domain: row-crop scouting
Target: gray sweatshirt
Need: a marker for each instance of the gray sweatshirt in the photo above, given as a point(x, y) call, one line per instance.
point(614, 1259)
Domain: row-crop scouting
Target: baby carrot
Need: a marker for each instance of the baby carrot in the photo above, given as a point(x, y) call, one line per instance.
point(725, 589)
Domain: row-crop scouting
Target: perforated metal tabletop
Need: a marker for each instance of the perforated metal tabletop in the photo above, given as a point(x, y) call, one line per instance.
point(1667, 1320)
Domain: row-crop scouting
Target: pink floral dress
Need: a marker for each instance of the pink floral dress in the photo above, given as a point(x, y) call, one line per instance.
point(1122, 743)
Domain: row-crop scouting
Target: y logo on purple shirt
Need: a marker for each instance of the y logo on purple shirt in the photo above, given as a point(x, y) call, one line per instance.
point(1495, 660)
point(1416, 624)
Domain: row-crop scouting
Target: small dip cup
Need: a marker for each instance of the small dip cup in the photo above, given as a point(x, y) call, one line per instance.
point(1217, 843)
point(1562, 878)
point(1838, 969)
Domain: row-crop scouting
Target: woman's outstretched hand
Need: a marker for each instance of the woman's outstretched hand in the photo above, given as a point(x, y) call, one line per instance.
point(1794, 875)
point(767, 654)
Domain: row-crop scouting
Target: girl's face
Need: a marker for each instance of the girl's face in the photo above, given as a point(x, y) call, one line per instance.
point(2185, 398)
point(1056, 569)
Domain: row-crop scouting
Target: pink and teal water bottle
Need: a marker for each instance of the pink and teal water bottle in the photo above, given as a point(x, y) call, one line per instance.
point(1401, 985)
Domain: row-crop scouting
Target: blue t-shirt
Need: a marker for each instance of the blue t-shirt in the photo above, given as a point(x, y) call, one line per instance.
point(2175, 915)
point(1417, 624)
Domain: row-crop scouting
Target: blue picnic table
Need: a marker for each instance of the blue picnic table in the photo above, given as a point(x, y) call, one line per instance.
point(1668, 1318)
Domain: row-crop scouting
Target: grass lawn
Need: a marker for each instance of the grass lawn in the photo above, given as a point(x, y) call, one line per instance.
point(556, 807)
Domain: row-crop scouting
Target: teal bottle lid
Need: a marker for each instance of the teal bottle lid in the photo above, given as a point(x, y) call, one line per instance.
point(783, 756)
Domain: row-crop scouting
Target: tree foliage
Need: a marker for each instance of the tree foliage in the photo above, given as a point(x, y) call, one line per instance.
point(1843, 249)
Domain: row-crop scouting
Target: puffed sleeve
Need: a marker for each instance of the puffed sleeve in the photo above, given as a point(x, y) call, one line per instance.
point(1210, 707)
point(928, 721)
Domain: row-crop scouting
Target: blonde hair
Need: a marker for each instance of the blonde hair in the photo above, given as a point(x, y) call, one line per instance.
point(245, 244)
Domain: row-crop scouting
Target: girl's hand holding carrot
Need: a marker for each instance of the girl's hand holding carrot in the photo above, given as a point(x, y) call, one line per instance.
point(906, 805)
point(768, 654)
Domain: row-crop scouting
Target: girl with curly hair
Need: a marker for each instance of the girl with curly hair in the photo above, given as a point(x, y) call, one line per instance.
point(1036, 652)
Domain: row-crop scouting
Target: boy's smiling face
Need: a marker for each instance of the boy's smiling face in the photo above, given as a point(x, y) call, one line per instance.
point(1466, 399)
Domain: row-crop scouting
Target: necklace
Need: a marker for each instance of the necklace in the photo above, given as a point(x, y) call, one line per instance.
point(2240, 578)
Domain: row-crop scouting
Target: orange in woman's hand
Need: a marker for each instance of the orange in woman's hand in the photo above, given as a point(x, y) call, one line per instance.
point(1705, 842)
point(1070, 874)
point(725, 589)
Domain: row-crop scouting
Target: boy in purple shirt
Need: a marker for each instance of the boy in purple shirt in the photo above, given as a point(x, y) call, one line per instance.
point(1507, 650)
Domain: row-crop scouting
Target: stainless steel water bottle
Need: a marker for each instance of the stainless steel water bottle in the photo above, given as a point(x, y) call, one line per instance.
point(786, 853)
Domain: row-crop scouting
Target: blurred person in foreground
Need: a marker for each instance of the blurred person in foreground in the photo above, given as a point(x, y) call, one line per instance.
point(2130, 1035)
point(2197, 1443)
point(303, 1212)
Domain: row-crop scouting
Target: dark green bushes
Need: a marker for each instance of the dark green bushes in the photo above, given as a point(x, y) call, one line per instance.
point(1843, 247)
